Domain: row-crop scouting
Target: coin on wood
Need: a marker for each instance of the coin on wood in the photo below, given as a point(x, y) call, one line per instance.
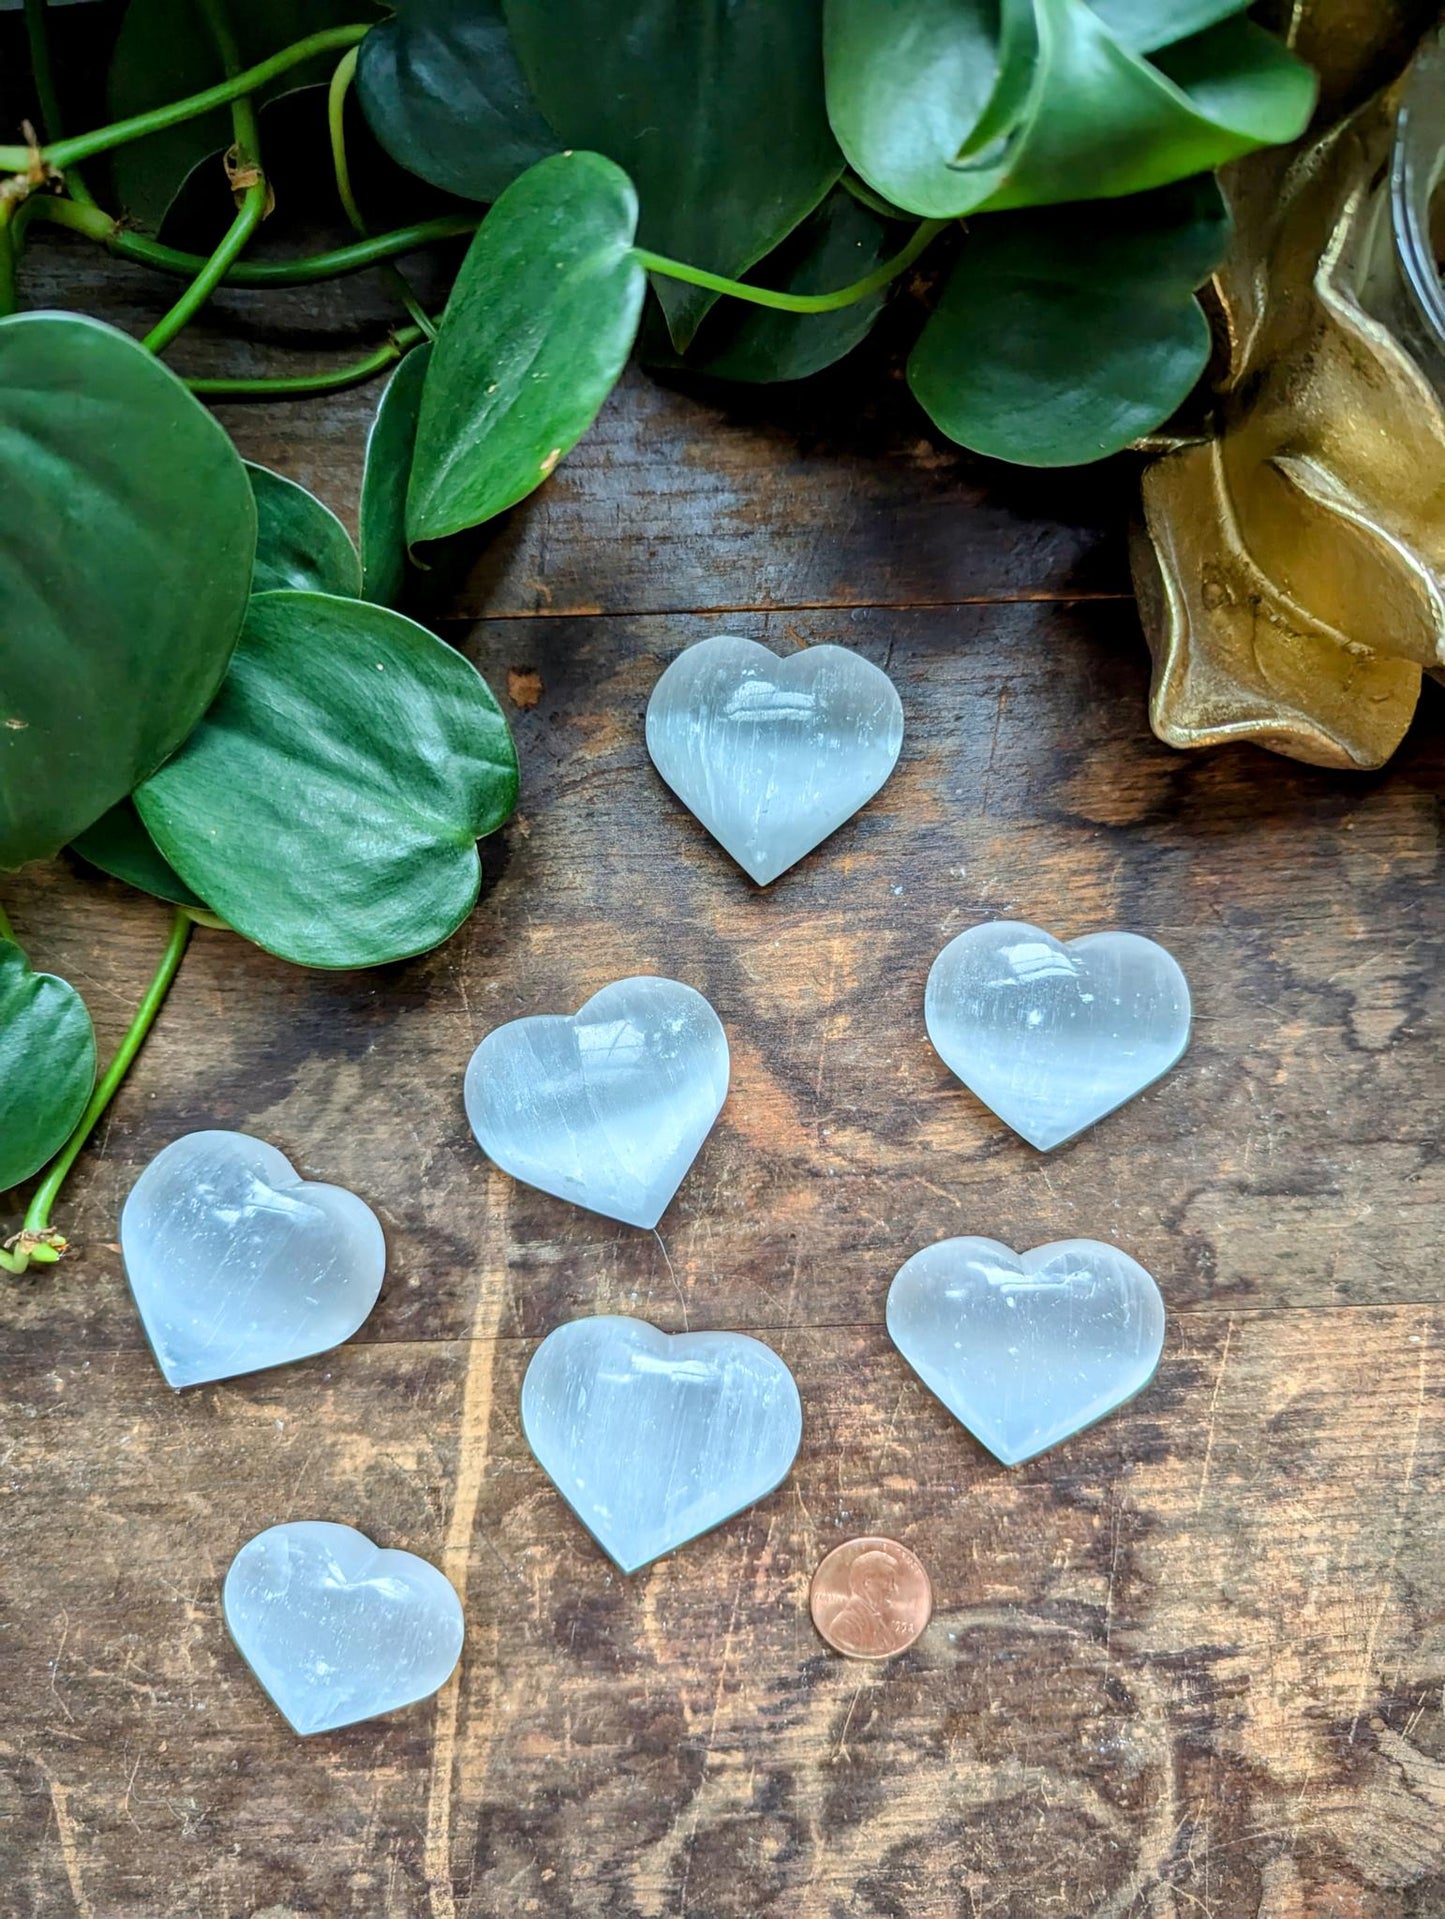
point(870, 1598)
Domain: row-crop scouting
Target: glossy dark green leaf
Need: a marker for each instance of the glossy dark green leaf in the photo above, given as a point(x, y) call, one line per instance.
point(1071, 113)
point(329, 804)
point(714, 108)
point(299, 542)
point(1103, 118)
point(165, 51)
point(1143, 25)
point(126, 541)
point(1062, 335)
point(47, 1065)
point(535, 334)
point(840, 243)
point(119, 844)
point(384, 481)
point(906, 90)
point(442, 91)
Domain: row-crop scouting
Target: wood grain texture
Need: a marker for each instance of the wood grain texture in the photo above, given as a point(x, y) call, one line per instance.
point(1188, 1666)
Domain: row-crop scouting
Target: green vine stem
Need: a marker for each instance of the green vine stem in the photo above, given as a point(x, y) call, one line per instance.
point(251, 213)
point(299, 386)
point(244, 163)
point(336, 129)
point(924, 233)
point(314, 267)
point(37, 1242)
point(65, 153)
point(7, 931)
point(866, 197)
point(45, 92)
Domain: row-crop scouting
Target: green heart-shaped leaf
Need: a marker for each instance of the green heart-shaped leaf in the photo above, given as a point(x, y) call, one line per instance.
point(126, 543)
point(118, 844)
point(1010, 103)
point(165, 50)
point(1101, 122)
point(385, 477)
point(1063, 335)
point(840, 243)
point(1143, 25)
point(441, 88)
point(715, 110)
point(537, 330)
point(299, 542)
point(906, 91)
point(329, 804)
point(47, 1065)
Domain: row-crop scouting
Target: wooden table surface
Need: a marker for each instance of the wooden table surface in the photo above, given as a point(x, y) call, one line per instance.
point(1187, 1665)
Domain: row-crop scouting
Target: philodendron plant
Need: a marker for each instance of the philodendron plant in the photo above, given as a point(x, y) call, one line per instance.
point(205, 689)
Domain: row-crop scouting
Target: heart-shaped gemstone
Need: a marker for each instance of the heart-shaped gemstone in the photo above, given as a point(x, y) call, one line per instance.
point(1054, 1035)
point(607, 1108)
point(653, 1438)
point(773, 755)
point(237, 1263)
point(337, 1630)
point(1026, 1348)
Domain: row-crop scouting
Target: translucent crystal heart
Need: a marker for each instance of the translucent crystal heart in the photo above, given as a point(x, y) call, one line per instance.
point(653, 1438)
point(607, 1108)
point(772, 755)
point(1053, 1036)
point(337, 1630)
point(237, 1263)
point(1026, 1348)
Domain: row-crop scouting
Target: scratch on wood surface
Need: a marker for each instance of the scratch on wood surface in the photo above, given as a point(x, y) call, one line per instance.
point(1213, 1415)
point(677, 1288)
point(69, 1852)
point(1387, 1577)
point(472, 1441)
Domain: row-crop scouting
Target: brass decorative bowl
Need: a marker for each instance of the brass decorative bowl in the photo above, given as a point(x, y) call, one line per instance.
point(1291, 567)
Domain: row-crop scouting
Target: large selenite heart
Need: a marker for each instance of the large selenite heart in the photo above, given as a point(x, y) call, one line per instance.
point(608, 1108)
point(1053, 1036)
point(1026, 1348)
point(337, 1630)
point(237, 1263)
point(653, 1438)
point(772, 755)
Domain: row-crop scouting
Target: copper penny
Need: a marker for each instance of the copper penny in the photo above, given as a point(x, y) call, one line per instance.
point(870, 1598)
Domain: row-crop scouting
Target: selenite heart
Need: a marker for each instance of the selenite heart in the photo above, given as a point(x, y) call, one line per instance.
point(607, 1108)
point(772, 755)
point(237, 1263)
point(1026, 1348)
point(1053, 1036)
point(653, 1438)
point(337, 1630)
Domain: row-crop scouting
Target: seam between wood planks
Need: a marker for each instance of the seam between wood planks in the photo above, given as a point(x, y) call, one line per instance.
point(783, 606)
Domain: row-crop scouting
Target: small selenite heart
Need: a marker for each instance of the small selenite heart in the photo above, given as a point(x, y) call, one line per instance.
point(773, 755)
point(237, 1263)
point(1025, 1349)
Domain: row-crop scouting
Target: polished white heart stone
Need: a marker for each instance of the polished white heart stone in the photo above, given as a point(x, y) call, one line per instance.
point(1026, 1348)
point(608, 1108)
point(653, 1438)
point(1055, 1035)
point(772, 755)
point(337, 1630)
point(237, 1263)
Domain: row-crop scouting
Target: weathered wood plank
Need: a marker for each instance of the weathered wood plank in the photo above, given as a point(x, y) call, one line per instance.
point(1289, 1161)
point(838, 494)
point(1188, 1663)
point(1187, 1667)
